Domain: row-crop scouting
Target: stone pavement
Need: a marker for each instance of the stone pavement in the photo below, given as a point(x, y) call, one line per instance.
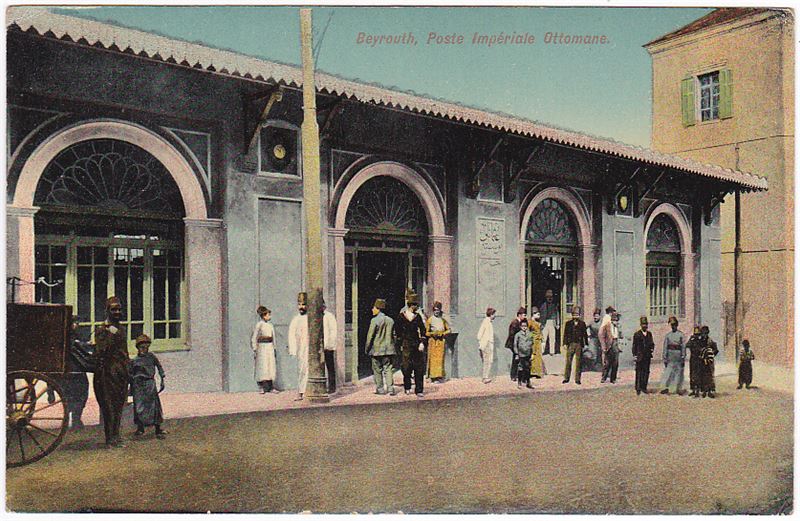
point(187, 405)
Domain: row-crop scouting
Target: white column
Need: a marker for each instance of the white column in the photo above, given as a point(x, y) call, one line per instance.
point(205, 303)
point(440, 266)
point(20, 249)
point(338, 270)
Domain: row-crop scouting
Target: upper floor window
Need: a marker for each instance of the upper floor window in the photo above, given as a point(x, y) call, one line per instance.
point(707, 97)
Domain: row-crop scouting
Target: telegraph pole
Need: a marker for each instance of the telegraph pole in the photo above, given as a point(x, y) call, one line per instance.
point(316, 390)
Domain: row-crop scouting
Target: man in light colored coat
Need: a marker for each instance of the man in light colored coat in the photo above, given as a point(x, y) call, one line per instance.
point(329, 345)
point(380, 346)
point(486, 344)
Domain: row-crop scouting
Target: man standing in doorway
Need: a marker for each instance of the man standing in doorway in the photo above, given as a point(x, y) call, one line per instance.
point(380, 346)
point(513, 329)
point(551, 320)
point(298, 342)
point(410, 330)
point(642, 350)
point(574, 340)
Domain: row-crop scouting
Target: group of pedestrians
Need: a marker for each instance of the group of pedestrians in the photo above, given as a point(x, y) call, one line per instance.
point(411, 336)
point(263, 342)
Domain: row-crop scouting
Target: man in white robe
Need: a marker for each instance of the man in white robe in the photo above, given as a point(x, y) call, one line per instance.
point(298, 342)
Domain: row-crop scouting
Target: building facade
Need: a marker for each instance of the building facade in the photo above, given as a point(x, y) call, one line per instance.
point(715, 102)
point(169, 174)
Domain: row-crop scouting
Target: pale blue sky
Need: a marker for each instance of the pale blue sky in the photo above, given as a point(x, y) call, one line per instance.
point(602, 89)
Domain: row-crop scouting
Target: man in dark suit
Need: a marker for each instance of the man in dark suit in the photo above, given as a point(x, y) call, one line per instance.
point(574, 338)
point(642, 350)
point(513, 329)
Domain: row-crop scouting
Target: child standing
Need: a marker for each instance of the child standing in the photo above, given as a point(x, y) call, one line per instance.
point(263, 344)
point(146, 403)
point(523, 349)
point(746, 358)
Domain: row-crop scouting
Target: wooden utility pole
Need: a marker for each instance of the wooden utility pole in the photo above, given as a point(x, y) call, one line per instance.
point(316, 390)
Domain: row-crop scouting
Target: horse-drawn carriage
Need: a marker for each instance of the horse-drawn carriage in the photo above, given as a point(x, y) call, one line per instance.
point(37, 349)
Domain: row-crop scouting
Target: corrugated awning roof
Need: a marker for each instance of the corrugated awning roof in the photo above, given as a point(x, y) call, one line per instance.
point(140, 43)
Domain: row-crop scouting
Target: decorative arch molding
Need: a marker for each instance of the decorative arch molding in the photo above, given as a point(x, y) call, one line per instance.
point(409, 177)
point(367, 163)
point(684, 229)
point(175, 163)
point(572, 203)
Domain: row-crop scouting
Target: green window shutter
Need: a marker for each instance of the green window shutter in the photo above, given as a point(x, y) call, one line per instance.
point(725, 94)
point(687, 102)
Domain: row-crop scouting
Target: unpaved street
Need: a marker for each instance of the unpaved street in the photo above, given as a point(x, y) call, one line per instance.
point(603, 450)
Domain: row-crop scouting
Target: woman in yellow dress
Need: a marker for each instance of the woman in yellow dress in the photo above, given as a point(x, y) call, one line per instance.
point(436, 329)
point(537, 362)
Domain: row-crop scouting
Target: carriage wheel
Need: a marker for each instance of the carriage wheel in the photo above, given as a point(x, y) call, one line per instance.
point(36, 417)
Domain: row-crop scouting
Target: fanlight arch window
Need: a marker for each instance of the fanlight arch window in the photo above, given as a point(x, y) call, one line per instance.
point(109, 174)
point(551, 224)
point(385, 205)
point(110, 224)
point(663, 268)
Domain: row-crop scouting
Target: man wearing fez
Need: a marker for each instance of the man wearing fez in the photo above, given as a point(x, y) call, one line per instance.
point(513, 329)
point(574, 338)
point(551, 320)
point(380, 346)
point(410, 331)
point(298, 342)
point(111, 373)
point(609, 342)
point(642, 350)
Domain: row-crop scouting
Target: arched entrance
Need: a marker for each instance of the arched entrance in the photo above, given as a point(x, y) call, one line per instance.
point(555, 243)
point(131, 177)
point(384, 254)
point(388, 235)
point(110, 222)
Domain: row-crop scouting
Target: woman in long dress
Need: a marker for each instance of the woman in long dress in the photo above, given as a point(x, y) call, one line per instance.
point(537, 362)
point(263, 344)
point(436, 329)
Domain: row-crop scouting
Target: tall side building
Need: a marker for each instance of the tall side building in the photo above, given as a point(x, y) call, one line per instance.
point(723, 93)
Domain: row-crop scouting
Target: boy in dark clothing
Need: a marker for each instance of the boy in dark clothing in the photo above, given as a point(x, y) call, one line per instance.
point(695, 347)
point(146, 403)
point(523, 349)
point(707, 386)
point(746, 358)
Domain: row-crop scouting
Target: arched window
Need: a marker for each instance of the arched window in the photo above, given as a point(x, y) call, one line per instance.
point(663, 267)
point(111, 224)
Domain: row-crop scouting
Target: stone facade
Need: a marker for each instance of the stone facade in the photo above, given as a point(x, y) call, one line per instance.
point(756, 46)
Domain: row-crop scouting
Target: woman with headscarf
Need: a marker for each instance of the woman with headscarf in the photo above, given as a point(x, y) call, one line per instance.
point(436, 329)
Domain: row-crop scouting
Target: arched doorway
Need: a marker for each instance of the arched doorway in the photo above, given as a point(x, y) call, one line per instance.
point(551, 264)
point(110, 222)
point(385, 253)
